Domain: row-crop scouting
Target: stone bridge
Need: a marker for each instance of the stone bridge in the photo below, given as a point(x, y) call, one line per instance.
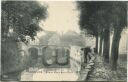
point(39, 48)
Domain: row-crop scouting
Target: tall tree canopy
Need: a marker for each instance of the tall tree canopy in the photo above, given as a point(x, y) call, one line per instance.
point(119, 22)
point(91, 17)
point(22, 17)
point(101, 18)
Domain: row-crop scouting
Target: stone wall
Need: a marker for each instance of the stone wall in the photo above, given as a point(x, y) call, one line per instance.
point(76, 58)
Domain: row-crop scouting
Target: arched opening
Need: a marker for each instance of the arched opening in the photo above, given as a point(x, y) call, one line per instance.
point(49, 55)
point(33, 52)
point(63, 56)
point(54, 56)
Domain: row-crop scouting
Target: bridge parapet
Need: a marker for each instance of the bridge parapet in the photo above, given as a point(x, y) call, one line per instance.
point(40, 47)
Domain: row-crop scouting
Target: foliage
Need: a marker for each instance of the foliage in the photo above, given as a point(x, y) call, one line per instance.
point(119, 15)
point(94, 16)
point(22, 17)
point(88, 16)
point(12, 58)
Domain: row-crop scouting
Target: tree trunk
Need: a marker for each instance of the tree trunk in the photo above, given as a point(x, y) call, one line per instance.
point(115, 48)
point(106, 45)
point(96, 44)
point(101, 42)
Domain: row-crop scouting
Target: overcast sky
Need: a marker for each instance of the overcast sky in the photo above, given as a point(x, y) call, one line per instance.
point(63, 16)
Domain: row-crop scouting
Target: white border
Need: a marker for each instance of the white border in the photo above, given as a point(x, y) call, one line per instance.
point(60, 0)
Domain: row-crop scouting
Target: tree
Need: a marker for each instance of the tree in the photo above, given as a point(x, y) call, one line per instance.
point(101, 43)
point(93, 18)
point(19, 19)
point(23, 17)
point(105, 17)
point(88, 18)
point(119, 22)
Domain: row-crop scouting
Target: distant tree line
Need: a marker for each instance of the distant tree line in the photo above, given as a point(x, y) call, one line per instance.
point(101, 19)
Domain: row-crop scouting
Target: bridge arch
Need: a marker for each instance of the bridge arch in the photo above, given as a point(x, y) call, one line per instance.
point(33, 52)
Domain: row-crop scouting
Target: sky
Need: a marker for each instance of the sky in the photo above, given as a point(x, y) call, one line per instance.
point(62, 17)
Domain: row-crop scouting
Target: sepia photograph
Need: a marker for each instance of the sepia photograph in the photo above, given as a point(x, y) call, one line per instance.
point(68, 40)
